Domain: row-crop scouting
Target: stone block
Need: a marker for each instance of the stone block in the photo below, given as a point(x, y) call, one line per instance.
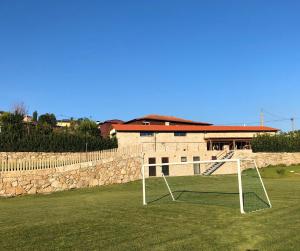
point(56, 184)
point(94, 182)
point(10, 191)
point(20, 190)
point(14, 183)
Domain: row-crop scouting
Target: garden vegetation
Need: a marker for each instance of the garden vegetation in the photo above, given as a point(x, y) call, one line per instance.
point(283, 142)
point(42, 135)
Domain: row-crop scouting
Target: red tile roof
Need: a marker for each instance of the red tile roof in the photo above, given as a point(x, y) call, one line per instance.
point(191, 128)
point(168, 118)
point(112, 121)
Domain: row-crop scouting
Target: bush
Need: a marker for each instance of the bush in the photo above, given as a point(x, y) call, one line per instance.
point(47, 119)
point(54, 142)
point(284, 142)
point(31, 138)
point(280, 171)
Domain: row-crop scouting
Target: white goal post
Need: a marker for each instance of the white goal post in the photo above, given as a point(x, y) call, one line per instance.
point(239, 171)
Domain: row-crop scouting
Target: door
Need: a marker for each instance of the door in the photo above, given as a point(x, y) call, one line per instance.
point(152, 169)
point(196, 165)
point(165, 168)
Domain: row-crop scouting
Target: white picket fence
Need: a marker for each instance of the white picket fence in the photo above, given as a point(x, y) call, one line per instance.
point(28, 163)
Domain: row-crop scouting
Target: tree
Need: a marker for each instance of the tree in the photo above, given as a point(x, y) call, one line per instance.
point(88, 127)
point(19, 108)
point(35, 116)
point(12, 124)
point(11, 119)
point(47, 119)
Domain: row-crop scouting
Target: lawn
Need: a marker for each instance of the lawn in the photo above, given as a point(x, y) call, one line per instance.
point(112, 217)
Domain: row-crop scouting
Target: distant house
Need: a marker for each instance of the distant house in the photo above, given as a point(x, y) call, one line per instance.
point(27, 119)
point(154, 119)
point(63, 123)
point(106, 126)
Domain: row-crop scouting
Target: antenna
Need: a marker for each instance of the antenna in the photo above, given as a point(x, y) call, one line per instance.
point(293, 124)
point(262, 117)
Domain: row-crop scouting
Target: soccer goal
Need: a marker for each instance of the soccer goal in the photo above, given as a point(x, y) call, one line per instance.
point(238, 185)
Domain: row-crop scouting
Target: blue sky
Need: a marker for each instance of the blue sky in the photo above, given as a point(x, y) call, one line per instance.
point(215, 61)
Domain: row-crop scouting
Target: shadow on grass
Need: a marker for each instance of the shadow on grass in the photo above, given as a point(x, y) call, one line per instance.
point(251, 200)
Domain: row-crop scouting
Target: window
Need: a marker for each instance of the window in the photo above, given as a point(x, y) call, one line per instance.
point(184, 159)
point(146, 123)
point(180, 134)
point(146, 134)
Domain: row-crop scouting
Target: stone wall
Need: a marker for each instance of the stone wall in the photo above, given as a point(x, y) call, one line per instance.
point(113, 169)
point(262, 160)
point(104, 172)
point(266, 159)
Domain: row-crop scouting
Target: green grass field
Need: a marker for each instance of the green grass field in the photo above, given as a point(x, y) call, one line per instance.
point(112, 217)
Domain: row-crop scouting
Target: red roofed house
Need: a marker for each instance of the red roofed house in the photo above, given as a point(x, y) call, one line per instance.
point(171, 139)
point(154, 119)
point(106, 126)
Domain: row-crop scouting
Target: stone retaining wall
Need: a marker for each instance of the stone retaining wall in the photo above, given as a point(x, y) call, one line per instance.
point(262, 160)
point(266, 159)
point(109, 171)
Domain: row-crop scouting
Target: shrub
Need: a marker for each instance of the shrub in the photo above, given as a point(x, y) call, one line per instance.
point(47, 119)
point(53, 142)
point(284, 142)
point(280, 171)
point(20, 137)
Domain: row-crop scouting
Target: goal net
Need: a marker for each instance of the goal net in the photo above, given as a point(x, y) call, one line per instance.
point(230, 182)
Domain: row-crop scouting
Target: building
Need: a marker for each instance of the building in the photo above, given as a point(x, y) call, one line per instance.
point(157, 130)
point(63, 123)
point(169, 139)
point(27, 119)
point(154, 119)
point(106, 126)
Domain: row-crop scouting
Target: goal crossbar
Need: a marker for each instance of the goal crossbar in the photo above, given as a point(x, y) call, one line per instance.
point(239, 173)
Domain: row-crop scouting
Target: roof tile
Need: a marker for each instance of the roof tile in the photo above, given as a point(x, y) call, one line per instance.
point(168, 118)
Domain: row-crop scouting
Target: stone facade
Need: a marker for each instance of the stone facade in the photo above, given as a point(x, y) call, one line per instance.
point(104, 172)
point(167, 139)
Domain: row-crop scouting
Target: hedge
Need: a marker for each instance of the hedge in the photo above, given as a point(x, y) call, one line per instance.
point(284, 142)
point(53, 142)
